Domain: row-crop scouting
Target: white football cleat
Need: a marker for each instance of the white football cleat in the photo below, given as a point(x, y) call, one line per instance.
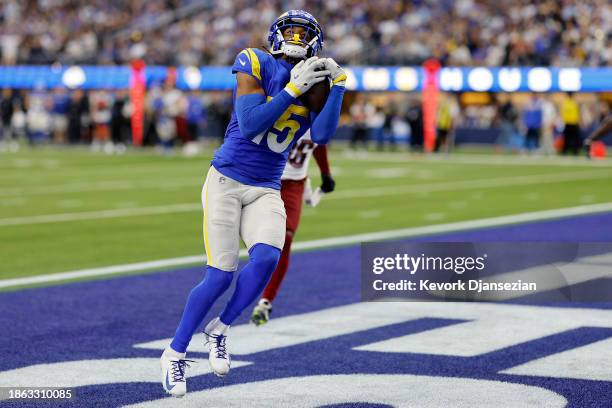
point(261, 312)
point(173, 366)
point(216, 339)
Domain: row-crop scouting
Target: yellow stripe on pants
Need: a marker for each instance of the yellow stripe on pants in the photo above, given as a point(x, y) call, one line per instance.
point(206, 245)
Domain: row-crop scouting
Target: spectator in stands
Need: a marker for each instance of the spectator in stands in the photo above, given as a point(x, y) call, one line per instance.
point(19, 125)
point(360, 110)
point(507, 116)
point(532, 123)
point(6, 115)
point(387, 130)
point(61, 104)
point(394, 32)
point(174, 106)
point(375, 122)
point(549, 118)
point(414, 116)
point(120, 121)
point(101, 114)
point(219, 114)
point(78, 116)
point(570, 113)
point(196, 114)
point(38, 118)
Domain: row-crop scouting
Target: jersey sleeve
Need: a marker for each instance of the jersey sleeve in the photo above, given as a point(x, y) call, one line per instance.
point(250, 62)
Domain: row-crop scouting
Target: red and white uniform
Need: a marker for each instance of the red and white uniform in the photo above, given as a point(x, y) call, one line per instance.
point(292, 192)
point(299, 158)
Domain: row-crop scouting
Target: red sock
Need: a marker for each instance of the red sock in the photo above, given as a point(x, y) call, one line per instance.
point(280, 271)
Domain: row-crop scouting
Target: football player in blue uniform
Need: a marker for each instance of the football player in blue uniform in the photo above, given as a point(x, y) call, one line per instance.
point(241, 198)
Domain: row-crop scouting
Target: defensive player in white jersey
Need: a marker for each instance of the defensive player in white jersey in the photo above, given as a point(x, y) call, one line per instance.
point(293, 183)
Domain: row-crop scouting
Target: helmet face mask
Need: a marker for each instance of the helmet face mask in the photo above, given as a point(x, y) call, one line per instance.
point(295, 46)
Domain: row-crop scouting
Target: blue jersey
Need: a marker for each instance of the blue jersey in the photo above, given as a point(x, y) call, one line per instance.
point(260, 161)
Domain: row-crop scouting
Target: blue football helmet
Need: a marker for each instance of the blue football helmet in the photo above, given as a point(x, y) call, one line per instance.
point(296, 47)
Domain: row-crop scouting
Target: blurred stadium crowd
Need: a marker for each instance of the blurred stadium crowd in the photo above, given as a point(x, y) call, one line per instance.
point(358, 32)
point(542, 123)
point(393, 32)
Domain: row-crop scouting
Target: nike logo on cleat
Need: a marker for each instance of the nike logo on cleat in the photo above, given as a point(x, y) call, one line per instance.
point(168, 386)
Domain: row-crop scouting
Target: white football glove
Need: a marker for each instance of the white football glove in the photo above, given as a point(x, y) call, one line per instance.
point(304, 76)
point(337, 73)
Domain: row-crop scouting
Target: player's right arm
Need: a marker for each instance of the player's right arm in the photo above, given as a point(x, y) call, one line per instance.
point(255, 115)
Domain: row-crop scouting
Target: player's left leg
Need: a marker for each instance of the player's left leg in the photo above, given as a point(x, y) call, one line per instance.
point(292, 193)
point(262, 229)
point(222, 208)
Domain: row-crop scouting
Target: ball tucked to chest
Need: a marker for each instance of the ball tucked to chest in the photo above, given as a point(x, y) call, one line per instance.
point(314, 99)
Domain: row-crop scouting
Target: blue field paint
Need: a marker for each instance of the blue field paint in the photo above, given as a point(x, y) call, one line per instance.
point(104, 319)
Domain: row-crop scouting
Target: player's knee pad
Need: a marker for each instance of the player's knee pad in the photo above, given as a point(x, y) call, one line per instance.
point(265, 256)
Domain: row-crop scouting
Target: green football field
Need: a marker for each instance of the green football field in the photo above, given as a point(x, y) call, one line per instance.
point(69, 209)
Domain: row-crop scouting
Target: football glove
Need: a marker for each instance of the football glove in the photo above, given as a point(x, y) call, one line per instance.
point(305, 74)
point(337, 73)
point(328, 184)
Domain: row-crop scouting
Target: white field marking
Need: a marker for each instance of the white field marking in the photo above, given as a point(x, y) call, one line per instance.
point(80, 373)
point(591, 362)
point(475, 159)
point(96, 215)
point(107, 270)
point(126, 204)
point(498, 182)
point(389, 390)
point(388, 172)
point(129, 184)
point(435, 216)
point(486, 327)
point(489, 327)
point(467, 159)
point(340, 195)
point(97, 186)
point(321, 243)
point(369, 214)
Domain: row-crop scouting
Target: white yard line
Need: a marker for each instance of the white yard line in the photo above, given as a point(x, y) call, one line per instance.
point(339, 195)
point(318, 243)
point(110, 185)
point(96, 215)
point(498, 182)
point(473, 159)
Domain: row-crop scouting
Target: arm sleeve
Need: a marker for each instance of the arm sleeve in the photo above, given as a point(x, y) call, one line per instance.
point(320, 155)
point(255, 115)
point(325, 123)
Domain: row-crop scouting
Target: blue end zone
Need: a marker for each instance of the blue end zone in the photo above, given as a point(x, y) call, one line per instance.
point(104, 319)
